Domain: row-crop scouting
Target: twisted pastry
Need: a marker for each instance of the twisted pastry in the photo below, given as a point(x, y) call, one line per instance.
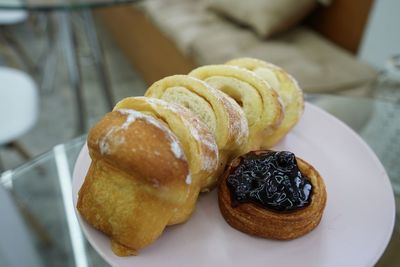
point(123, 194)
point(152, 156)
point(223, 116)
point(259, 101)
point(197, 142)
point(287, 88)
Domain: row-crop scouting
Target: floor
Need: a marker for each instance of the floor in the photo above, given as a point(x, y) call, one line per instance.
point(57, 124)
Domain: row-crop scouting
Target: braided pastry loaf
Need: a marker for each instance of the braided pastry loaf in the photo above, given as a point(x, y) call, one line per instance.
point(153, 155)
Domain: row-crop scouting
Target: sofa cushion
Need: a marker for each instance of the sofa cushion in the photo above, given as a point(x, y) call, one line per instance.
point(181, 20)
point(265, 17)
point(318, 65)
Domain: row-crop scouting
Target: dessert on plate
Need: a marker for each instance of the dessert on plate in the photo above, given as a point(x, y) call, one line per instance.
point(152, 156)
point(272, 194)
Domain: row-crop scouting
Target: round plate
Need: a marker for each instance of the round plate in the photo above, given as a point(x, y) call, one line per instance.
point(355, 228)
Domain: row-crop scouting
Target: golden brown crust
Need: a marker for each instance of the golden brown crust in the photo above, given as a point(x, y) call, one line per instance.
point(254, 220)
point(136, 148)
point(197, 142)
point(230, 129)
point(196, 139)
point(123, 195)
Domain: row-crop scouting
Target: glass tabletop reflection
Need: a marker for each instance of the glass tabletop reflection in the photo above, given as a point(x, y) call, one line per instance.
point(58, 4)
point(40, 190)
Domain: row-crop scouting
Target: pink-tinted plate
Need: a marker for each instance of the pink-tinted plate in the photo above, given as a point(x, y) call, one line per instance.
point(354, 231)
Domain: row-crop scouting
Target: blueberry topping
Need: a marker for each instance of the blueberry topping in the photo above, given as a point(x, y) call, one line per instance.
point(271, 180)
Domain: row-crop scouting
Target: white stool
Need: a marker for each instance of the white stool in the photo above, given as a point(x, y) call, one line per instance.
point(9, 17)
point(19, 102)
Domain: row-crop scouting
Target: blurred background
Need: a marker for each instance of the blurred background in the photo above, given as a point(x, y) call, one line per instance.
point(335, 47)
point(65, 63)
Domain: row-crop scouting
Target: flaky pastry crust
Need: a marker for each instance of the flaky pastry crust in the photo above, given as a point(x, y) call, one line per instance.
point(255, 220)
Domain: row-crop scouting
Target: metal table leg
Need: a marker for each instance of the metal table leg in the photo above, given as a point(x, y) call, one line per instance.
point(19, 50)
point(48, 57)
point(98, 57)
point(69, 42)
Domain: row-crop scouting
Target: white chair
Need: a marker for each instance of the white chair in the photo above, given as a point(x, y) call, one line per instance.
point(10, 17)
point(19, 102)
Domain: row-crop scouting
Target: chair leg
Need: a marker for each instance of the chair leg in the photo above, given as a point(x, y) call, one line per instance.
point(19, 50)
point(48, 56)
point(99, 58)
point(8, 54)
point(69, 42)
point(2, 169)
point(21, 149)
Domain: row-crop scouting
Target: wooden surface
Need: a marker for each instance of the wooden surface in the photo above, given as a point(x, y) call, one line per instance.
point(343, 22)
point(150, 52)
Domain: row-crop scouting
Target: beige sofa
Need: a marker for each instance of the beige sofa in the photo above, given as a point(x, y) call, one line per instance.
point(163, 37)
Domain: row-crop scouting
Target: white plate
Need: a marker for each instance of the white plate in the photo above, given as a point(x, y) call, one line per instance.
point(354, 231)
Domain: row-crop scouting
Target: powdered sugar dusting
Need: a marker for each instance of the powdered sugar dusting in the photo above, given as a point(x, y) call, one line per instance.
point(104, 141)
point(241, 123)
point(133, 115)
point(237, 122)
point(154, 102)
point(198, 131)
point(208, 159)
point(188, 179)
point(129, 119)
point(176, 149)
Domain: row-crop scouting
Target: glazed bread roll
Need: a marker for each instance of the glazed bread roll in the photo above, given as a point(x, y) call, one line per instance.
point(258, 100)
point(124, 195)
point(287, 88)
point(196, 140)
point(223, 116)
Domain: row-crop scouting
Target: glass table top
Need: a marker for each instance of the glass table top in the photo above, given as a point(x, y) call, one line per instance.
point(58, 4)
point(40, 190)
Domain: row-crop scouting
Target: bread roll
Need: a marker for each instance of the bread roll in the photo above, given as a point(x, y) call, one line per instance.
point(197, 142)
point(124, 195)
point(287, 88)
point(259, 101)
point(223, 116)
